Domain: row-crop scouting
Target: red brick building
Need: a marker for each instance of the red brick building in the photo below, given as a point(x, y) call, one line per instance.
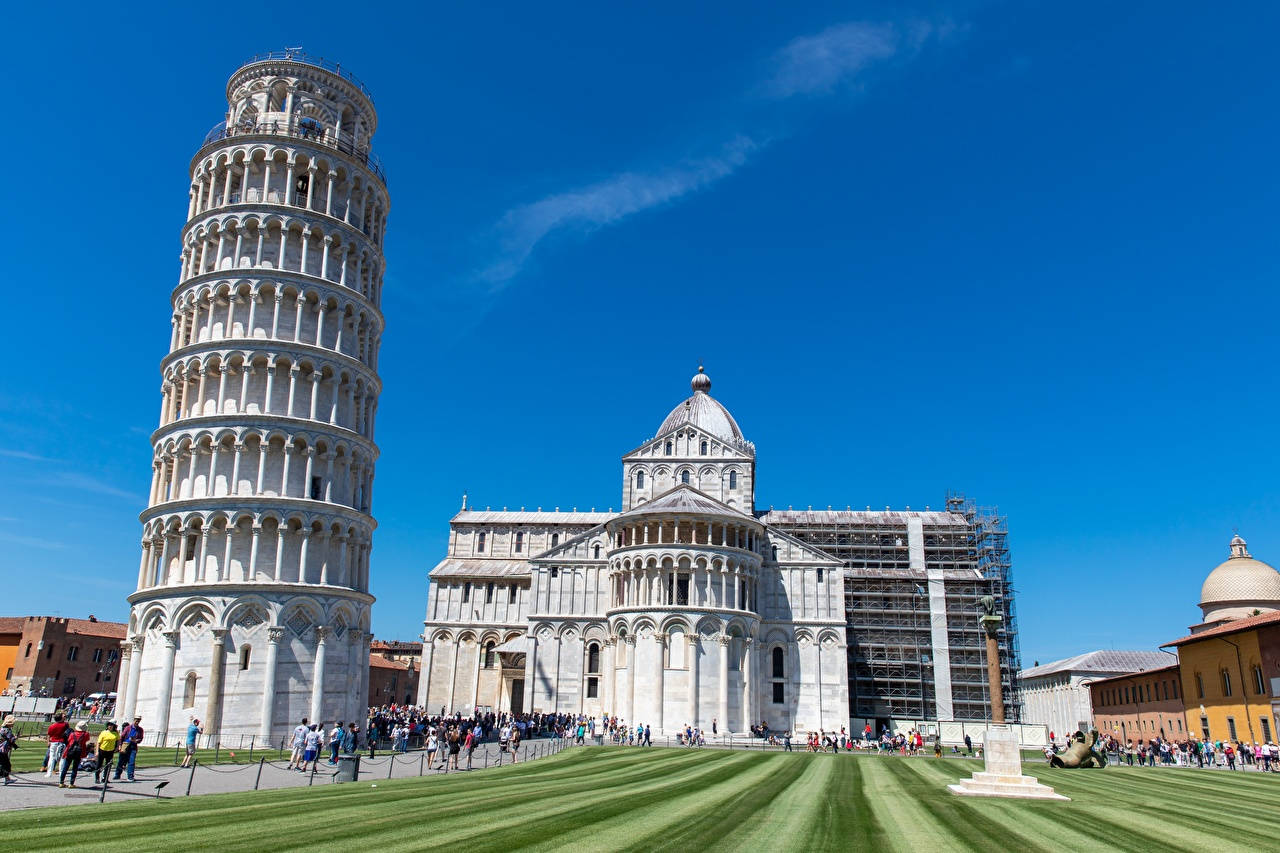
point(1140, 705)
point(393, 672)
point(52, 656)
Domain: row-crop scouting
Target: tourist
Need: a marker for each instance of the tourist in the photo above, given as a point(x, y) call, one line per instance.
point(194, 730)
point(298, 744)
point(8, 743)
point(335, 742)
point(311, 747)
point(648, 736)
point(515, 744)
point(57, 736)
point(350, 740)
point(130, 740)
point(77, 745)
point(968, 744)
point(108, 738)
point(469, 744)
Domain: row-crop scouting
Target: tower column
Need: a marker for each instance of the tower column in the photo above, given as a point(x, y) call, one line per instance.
point(274, 636)
point(317, 675)
point(165, 698)
point(724, 682)
point(213, 706)
point(135, 672)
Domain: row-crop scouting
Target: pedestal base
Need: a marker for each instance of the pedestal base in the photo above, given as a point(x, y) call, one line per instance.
point(1003, 774)
point(1000, 785)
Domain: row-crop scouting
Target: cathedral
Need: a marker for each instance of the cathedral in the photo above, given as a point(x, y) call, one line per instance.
point(690, 607)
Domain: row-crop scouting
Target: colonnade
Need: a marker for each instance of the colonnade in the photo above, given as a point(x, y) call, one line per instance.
point(687, 531)
point(324, 320)
point(728, 584)
point(228, 385)
point(261, 464)
point(258, 548)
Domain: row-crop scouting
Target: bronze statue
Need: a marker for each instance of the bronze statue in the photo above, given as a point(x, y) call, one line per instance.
point(1081, 752)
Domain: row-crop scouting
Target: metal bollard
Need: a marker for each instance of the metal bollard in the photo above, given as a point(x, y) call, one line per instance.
point(391, 764)
point(311, 781)
point(422, 762)
point(259, 779)
point(192, 777)
point(103, 795)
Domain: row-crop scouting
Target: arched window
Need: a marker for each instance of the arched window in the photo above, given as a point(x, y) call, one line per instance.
point(597, 552)
point(28, 653)
point(189, 691)
point(555, 539)
point(489, 655)
point(593, 658)
point(1226, 683)
point(778, 662)
point(245, 652)
point(668, 450)
point(480, 543)
point(519, 541)
point(684, 477)
point(702, 448)
point(639, 479)
point(775, 553)
point(733, 479)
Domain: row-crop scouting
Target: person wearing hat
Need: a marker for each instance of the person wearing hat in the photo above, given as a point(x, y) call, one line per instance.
point(8, 743)
point(108, 740)
point(77, 746)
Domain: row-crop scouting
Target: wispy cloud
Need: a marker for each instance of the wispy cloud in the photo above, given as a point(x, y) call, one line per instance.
point(585, 209)
point(22, 454)
point(817, 64)
point(75, 480)
point(32, 541)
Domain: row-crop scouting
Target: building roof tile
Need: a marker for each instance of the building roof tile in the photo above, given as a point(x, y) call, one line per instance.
point(1111, 661)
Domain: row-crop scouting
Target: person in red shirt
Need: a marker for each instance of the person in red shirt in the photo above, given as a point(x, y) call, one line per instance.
point(77, 746)
point(57, 745)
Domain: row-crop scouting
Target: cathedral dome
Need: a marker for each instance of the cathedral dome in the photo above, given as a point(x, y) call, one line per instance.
point(704, 412)
point(1239, 586)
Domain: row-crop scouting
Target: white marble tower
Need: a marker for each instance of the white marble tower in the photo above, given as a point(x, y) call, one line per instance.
point(252, 607)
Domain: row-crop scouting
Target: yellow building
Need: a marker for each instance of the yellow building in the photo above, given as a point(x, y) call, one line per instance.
point(1230, 678)
point(1229, 665)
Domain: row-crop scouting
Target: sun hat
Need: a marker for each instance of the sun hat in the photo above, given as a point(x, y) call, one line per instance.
point(81, 726)
point(9, 721)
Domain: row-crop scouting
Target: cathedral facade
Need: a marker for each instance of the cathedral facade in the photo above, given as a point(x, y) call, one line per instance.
point(687, 607)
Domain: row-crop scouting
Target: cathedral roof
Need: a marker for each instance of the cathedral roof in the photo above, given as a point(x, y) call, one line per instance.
point(704, 412)
point(684, 499)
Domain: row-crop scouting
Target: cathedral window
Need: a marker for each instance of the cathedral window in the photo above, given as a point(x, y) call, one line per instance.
point(775, 553)
point(702, 449)
point(555, 539)
point(596, 552)
point(778, 662)
point(519, 541)
point(593, 688)
point(684, 477)
point(555, 572)
point(511, 595)
point(733, 479)
point(819, 575)
point(488, 593)
point(466, 591)
point(593, 658)
point(245, 652)
point(639, 479)
point(480, 543)
point(668, 449)
point(489, 654)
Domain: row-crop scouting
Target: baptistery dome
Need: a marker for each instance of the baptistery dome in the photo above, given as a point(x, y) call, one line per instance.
point(704, 412)
point(1239, 586)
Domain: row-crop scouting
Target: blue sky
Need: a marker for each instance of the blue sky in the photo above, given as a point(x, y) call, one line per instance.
point(1021, 250)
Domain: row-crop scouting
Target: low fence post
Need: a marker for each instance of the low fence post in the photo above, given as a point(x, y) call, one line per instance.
point(312, 780)
point(422, 762)
point(259, 779)
point(192, 777)
point(391, 764)
point(250, 748)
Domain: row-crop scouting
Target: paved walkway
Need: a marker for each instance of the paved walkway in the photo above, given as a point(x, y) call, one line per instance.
point(33, 790)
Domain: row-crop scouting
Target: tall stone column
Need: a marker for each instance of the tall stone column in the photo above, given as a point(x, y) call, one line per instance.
point(475, 677)
point(531, 674)
point(630, 699)
point(424, 677)
point(610, 676)
point(659, 670)
point(274, 636)
point(748, 707)
point(582, 682)
point(724, 683)
point(317, 675)
point(135, 672)
point(213, 706)
point(695, 646)
point(122, 681)
point(165, 698)
point(453, 676)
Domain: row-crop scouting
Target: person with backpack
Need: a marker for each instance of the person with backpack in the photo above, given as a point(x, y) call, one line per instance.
point(77, 746)
point(8, 743)
point(57, 735)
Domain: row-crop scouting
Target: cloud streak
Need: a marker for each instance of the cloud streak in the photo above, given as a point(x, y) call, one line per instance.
point(86, 483)
point(585, 209)
point(22, 454)
point(816, 64)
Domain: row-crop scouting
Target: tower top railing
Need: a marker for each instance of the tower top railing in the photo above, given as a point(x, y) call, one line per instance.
point(301, 130)
point(316, 61)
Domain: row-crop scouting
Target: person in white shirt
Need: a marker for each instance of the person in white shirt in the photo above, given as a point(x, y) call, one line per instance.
point(298, 745)
point(335, 740)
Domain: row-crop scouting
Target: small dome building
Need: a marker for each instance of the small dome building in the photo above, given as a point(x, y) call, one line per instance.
point(1239, 587)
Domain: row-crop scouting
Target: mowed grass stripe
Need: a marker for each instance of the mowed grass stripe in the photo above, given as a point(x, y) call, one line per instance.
point(800, 816)
point(547, 815)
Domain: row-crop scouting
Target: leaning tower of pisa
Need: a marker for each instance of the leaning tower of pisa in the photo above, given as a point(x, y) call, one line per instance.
point(252, 606)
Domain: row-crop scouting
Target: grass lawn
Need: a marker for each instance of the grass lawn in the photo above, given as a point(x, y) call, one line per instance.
point(672, 799)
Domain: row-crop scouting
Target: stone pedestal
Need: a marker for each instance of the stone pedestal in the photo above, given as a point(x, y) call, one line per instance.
point(1003, 774)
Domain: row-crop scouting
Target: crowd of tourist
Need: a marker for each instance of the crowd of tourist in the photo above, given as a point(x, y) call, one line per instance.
point(1190, 752)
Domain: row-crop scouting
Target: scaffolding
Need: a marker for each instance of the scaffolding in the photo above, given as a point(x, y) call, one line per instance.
point(891, 643)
